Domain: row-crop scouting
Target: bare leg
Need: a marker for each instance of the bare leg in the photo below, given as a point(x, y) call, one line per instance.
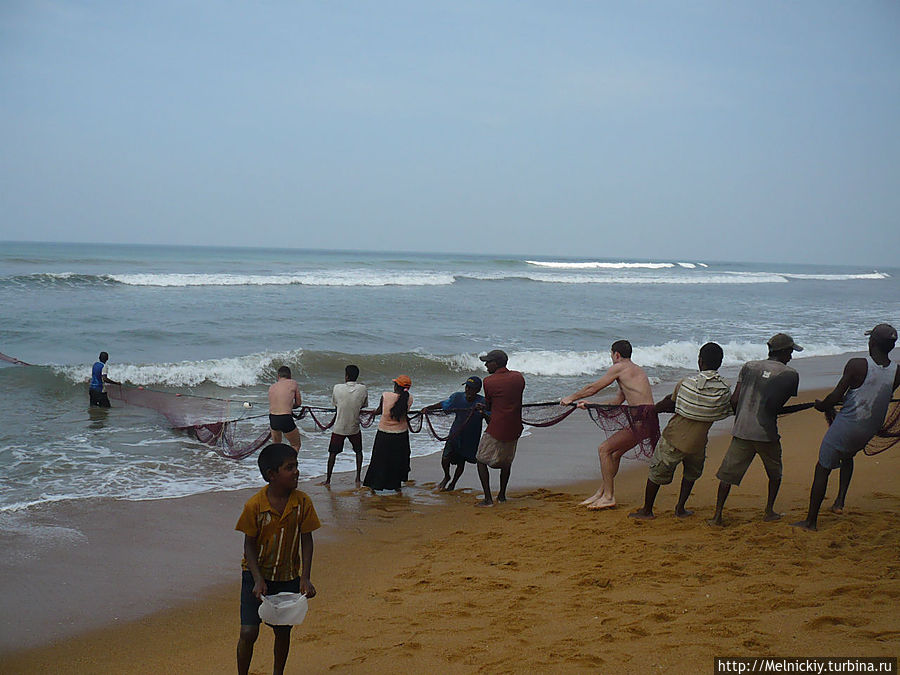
point(646, 511)
point(485, 485)
point(846, 475)
point(611, 452)
point(816, 495)
point(276, 436)
point(721, 496)
point(282, 646)
point(293, 437)
point(359, 458)
point(504, 481)
point(609, 467)
point(245, 648)
point(331, 457)
point(445, 465)
point(457, 475)
point(686, 487)
point(770, 514)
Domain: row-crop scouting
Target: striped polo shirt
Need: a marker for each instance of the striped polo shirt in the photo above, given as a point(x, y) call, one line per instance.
point(700, 400)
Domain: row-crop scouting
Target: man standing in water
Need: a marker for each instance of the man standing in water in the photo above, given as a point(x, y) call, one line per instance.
point(762, 389)
point(96, 391)
point(349, 397)
point(865, 388)
point(284, 396)
point(503, 399)
point(634, 389)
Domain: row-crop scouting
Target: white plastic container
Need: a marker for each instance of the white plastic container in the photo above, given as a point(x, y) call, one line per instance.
point(283, 609)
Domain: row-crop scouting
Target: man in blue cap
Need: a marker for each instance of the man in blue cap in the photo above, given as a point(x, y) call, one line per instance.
point(465, 432)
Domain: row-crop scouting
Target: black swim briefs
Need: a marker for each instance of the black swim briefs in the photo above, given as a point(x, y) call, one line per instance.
point(283, 423)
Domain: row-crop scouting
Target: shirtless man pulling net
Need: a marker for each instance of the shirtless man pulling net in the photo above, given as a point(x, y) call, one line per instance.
point(284, 396)
point(634, 389)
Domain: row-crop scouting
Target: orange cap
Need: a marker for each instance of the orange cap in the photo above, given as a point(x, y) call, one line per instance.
point(403, 381)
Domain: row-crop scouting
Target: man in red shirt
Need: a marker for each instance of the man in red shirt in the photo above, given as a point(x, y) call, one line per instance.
point(503, 400)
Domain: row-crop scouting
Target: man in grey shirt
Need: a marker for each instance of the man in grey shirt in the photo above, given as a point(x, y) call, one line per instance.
point(762, 389)
point(349, 397)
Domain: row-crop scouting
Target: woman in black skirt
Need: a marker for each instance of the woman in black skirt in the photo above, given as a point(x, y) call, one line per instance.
point(389, 465)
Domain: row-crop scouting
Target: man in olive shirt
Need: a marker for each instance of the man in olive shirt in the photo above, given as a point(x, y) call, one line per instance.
point(698, 401)
point(503, 390)
point(762, 389)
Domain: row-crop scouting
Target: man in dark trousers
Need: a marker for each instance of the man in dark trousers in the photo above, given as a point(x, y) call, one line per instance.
point(97, 390)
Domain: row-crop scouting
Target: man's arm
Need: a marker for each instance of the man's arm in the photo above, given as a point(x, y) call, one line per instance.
point(297, 398)
point(735, 395)
point(608, 378)
point(667, 405)
point(306, 553)
point(109, 381)
point(854, 375)
point(251, 555)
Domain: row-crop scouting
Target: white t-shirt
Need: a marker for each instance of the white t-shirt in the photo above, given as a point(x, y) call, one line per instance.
point(348, 398)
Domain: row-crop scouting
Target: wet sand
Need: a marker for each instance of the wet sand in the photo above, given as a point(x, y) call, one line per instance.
point(427, 581)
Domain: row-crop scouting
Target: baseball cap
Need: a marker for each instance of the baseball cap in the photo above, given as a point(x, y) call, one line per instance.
point(403, 381)
point(474, 382)
point(883, 332)
point(496, 355)
point(781, 341)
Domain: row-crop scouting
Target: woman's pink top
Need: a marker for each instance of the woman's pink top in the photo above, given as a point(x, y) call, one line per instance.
point(388, 423)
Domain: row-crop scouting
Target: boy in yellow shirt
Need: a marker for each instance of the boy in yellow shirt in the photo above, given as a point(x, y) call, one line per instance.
point(277, 523)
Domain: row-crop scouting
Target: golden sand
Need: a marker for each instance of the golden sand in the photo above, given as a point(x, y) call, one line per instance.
point(539, 584)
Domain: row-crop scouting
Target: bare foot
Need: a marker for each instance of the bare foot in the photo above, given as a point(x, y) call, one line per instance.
point(772, 516)
point(451, 487)
point(501, 498)
point(325, 483)
point(803, 525)
point(715, 521)
point(590, 500)
point(601, 504)
point(837, 508)
point(683, 513)
point(484, 504)
point(641, 514)
point(442, 484)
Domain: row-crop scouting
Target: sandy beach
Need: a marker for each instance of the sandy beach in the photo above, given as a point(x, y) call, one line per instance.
point(428, 582)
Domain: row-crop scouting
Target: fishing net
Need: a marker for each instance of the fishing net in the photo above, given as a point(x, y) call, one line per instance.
point(641, 421)
point(889, 434)
point(212, 421)
point(12, 359)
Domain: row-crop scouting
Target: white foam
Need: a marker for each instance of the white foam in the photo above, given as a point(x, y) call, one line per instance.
point(240, 371)
point(687, 279)
point(675, 354)
point(837, 277)
point(317, 278)
point(600, 265)
point(687, 265)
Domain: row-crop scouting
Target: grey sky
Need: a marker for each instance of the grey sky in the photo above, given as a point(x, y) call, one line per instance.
point(714, 130)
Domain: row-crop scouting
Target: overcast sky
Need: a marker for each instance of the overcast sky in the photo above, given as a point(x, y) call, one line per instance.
point(762, 131)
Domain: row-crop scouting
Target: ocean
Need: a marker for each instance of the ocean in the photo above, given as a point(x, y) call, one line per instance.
point(218, 322)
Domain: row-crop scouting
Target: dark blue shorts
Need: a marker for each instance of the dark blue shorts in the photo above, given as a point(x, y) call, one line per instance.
point(249, 603)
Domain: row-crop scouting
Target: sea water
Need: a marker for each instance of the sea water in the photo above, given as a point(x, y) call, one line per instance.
point(218, 322)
